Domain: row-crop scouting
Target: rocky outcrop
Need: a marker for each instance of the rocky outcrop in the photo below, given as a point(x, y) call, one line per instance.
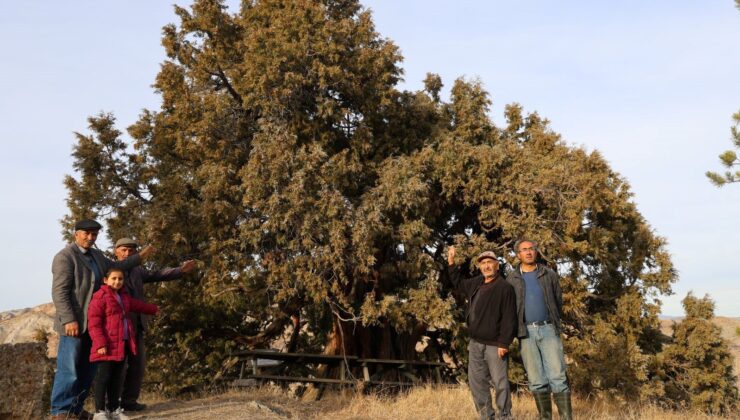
point(25, 380)
point(30, 325)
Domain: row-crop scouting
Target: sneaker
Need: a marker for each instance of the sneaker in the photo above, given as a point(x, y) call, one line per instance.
point(118, 415)
point(63, 416)
point(134, 406)
point(101, 415)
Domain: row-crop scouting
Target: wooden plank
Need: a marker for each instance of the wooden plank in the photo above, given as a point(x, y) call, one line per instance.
point(302, 379)
point(391, 383)
point(401, 362)
point(275, 355)
point(244, 382)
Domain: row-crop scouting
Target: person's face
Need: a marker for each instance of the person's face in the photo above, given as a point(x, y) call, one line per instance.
point(488, 267)
point(114, 280)
point(86, 238)
point(123, 252)
point(527, 253)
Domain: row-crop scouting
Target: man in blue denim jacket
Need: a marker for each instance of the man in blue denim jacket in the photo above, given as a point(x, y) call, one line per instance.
point(539, 302)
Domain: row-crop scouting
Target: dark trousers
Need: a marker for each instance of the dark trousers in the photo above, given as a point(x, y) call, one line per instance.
point(108, 384)
point(134, 371)
point(486, 369)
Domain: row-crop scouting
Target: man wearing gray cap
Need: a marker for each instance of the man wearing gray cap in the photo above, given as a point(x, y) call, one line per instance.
point(135, 279)
point(78, 271)
point(491, 320)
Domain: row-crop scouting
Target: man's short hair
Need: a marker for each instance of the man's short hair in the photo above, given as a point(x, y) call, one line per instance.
point(521, 241)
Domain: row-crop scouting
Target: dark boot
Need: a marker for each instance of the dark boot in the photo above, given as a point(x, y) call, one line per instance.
point(544, 405)
point(562, 400)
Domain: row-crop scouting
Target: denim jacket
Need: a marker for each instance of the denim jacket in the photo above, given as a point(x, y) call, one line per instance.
point(550, 283)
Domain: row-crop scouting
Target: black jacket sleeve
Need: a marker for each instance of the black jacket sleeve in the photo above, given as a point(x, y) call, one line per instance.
point(465, 286)
point(508, 324)
point(453, 271)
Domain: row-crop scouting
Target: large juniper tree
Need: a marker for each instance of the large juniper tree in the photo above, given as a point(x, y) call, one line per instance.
point(319, 198)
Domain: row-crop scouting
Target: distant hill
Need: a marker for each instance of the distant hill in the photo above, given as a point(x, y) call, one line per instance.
point(24, 325)
point(669, 317)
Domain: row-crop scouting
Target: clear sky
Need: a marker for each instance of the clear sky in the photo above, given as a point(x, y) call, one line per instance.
point(652, 85)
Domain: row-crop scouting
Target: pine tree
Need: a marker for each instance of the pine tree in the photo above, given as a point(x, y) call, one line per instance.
point(729, 159)
point(697, 365)
point(317, 194)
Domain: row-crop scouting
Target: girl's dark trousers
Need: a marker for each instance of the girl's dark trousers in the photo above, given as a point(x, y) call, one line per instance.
point(109, 383)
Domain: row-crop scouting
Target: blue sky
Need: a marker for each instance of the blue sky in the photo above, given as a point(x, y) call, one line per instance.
point(651, 85)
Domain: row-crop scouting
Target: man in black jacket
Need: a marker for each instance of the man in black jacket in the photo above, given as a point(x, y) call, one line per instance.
point(135, 280)
point(491, 320)
point(539, 301)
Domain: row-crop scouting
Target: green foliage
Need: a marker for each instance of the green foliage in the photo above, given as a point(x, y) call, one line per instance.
point(697, 365)
point(285, 159)
point(729, 158)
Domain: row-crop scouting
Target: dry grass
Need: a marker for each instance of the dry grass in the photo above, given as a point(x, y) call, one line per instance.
point(456, 403)
point(450, 402)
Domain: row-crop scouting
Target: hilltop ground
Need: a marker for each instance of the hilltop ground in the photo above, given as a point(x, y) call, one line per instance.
point(274, 403)
point(451, 402)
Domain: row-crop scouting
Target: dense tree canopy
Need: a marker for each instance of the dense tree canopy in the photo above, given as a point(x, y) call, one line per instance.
point(318, 199)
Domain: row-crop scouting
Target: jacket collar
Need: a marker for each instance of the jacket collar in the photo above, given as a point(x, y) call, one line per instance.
point(495, 278)
point(83, 255)
point(539, 271)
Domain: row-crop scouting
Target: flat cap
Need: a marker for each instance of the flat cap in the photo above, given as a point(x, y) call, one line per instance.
point(485, 254)
point(127, 242)
point(88, 224)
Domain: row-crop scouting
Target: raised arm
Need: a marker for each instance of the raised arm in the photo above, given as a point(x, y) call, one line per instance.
point(169, 273)
point(465, 286)
point(453, 270)
point(134, 260)
point(127, 264)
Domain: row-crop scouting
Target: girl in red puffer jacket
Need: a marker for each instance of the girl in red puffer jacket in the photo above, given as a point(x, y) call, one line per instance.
point(113, 338)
